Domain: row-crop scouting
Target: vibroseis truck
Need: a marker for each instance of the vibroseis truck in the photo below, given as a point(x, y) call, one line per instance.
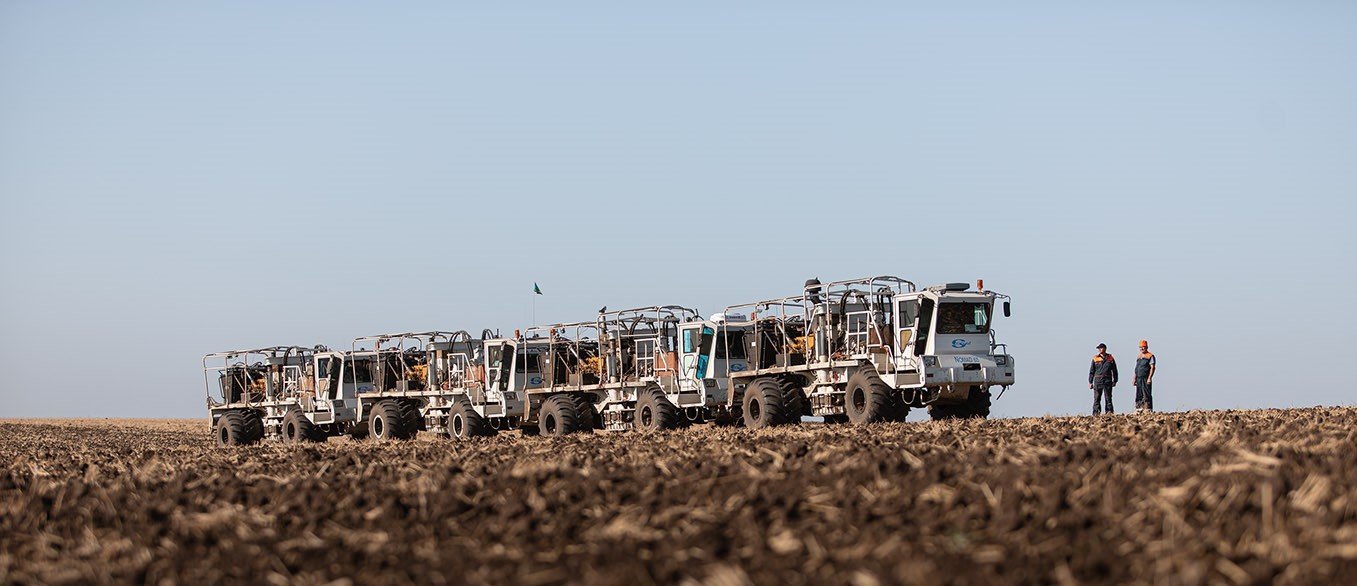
point(859, 350)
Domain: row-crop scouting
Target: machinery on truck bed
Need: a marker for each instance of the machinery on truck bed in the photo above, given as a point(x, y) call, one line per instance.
point(865, 350)
point(291, 393)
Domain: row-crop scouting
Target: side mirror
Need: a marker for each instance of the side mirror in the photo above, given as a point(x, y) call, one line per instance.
point(1008, 310)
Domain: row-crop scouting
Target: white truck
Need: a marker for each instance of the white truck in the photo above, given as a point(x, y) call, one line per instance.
point(292, 393)
point(862, 350)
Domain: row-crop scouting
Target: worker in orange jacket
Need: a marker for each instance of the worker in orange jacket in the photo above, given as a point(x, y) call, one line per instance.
point(1102, 376)
point(1145, 366)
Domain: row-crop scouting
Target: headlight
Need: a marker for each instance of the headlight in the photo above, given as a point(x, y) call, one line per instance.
point(1001, 360)
point(930, 360)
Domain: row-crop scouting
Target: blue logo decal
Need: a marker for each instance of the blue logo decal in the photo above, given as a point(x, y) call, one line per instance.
point(736, 367)
point(536, 380)
point(958, 343)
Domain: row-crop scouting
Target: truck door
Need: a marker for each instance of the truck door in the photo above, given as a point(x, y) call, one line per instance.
point(499, 366)
point(907, 322)
point(327, 378)
point(691, 355)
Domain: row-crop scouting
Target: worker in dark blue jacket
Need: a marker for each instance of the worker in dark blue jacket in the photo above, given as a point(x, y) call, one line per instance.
point(1102, 376)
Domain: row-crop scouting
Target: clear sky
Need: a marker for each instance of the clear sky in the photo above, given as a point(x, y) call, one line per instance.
point(183, 177)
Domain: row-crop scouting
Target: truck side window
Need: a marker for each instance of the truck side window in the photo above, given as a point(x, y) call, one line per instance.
point(730, 345)
point(909, 313)
point(689, 343)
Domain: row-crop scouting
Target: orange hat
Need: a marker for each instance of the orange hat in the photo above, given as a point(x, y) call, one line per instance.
point(1144, 344)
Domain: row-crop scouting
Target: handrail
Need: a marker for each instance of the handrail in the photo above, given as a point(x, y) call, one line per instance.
point(227, 356)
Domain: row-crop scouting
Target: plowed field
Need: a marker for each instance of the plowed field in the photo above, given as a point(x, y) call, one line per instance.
point(1202, 497)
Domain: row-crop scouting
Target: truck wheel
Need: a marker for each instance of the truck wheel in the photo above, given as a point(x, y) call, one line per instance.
point(726, 417)
point(867, 399)
point(794, 401)
point(254, 426)
point(232, 430)
point(945, 412)
point(465, 423)
point(654, 412)
point(387, 422)
point(298, 429)
point(763, 406)
point(977, 403)
point(558, 417)
point(589, 416)
point(411, 417)
point(734, 415)
point(898, 410)
point(359, 430)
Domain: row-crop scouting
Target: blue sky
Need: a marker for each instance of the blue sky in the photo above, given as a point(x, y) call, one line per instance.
point(179, 178)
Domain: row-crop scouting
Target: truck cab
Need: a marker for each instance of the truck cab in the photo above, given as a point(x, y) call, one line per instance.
point(946, 342)
point(335, 380)
point(709, 350)
point(507, 377)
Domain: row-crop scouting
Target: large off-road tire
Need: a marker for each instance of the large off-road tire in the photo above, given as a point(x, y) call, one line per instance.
point(735, 414)
point(589, 415)
point(559, 416)
point(254, 426)
point(654, 412)
point(794, 402)
point(297, 429)
point(387, 422)
point(726, 418)
point(232, 430)
point(763, 404)
point(410, 415)
point(359, 430)
point(867, 399)
point(943, 412)
point(978, 403)
point(465, 423)
point(899, 408)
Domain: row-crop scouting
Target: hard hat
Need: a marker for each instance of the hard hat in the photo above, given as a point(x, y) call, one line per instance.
point(1103, 346)
point(1144, 344)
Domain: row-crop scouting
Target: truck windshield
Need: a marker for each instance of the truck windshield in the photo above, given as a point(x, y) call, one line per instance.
point(963, 318)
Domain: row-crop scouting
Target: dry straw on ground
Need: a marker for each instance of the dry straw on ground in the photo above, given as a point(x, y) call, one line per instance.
point(1204, 497)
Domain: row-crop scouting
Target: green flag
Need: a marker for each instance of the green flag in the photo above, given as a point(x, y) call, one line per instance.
point(536, 289)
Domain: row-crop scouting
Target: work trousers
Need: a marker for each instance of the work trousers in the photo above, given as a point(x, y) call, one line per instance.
point(1101, 392)
point(1143, 398)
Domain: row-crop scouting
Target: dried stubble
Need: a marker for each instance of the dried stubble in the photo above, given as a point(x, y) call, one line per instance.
point(1201, 497)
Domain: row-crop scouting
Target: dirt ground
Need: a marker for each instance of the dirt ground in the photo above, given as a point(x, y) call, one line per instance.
point(1230, 497)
